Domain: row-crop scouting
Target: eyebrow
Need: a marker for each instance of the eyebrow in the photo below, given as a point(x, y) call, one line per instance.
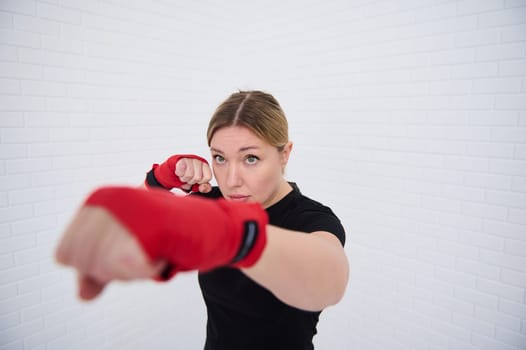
point(242, 149)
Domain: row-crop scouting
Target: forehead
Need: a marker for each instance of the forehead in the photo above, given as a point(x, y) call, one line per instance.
point(235, 137)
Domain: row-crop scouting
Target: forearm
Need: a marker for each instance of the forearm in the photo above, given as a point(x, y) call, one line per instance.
point(307, 271)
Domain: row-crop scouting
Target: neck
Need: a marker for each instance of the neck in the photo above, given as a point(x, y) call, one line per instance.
point(284, 189)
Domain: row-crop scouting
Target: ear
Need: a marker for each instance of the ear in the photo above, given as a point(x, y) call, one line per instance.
point(285, 154)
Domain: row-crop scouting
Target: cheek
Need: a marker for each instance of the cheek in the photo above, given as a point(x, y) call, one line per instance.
point(217, 173)
point(266, 181)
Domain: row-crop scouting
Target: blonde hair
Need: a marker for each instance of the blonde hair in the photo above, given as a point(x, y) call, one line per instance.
point(257, 111)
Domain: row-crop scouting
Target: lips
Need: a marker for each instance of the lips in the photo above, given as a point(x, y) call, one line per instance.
point(238, 198)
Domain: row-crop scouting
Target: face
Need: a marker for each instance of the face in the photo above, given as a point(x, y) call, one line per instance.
point(247, 168)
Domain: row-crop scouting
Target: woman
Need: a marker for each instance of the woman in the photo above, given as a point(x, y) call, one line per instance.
point(270, 259)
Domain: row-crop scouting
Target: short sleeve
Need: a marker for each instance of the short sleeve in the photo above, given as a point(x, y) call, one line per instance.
point(321, 220)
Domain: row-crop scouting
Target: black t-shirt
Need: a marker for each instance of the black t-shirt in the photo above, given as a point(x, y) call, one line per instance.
point(243, 315)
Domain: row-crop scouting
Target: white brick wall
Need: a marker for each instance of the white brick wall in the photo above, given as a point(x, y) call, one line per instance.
point(408, 117)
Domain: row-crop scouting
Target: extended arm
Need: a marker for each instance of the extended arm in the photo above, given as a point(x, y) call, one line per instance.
point(125, 233)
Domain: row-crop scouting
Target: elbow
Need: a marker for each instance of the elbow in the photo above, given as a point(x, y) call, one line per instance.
point(330, 298)
point(340, 284)
point(332, 292)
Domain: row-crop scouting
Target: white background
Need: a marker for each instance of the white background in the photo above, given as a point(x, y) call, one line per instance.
point(408, 117)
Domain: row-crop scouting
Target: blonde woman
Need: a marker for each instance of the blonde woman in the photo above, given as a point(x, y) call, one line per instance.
point(269, 258)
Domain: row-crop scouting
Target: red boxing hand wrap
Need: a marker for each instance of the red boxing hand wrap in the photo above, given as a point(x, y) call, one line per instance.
point(164, 173)
point(190, 233)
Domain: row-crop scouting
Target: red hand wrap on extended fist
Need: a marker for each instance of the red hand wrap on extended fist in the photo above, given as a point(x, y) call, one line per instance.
point(190, 233)
point(165, 173)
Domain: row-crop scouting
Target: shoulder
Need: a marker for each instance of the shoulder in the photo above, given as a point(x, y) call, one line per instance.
point(302, 213)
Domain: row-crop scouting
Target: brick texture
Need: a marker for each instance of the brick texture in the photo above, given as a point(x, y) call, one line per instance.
point(408, 118)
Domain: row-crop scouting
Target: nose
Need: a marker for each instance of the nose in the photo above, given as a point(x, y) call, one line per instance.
point(233, 176)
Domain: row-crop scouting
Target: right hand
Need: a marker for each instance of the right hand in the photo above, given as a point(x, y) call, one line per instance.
point(187, 172)
point(124, 233)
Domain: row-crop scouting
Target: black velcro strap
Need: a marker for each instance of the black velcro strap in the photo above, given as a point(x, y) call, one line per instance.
point(152, 181)
point(250, 236)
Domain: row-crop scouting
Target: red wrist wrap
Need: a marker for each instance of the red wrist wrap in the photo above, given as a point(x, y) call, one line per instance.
point(190, 233)
point(164, 173)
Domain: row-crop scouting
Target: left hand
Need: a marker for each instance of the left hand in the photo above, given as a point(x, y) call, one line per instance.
point(193, 171)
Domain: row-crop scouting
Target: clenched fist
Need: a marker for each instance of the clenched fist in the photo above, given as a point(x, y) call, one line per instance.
point(184, 171)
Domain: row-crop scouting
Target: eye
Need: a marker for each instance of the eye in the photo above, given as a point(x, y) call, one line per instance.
point(219, 159)
point(251, 160)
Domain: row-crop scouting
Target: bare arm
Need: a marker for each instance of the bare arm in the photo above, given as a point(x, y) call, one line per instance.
point(307, 271)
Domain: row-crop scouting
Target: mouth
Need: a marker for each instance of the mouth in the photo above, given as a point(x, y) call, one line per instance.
point(238, 198)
